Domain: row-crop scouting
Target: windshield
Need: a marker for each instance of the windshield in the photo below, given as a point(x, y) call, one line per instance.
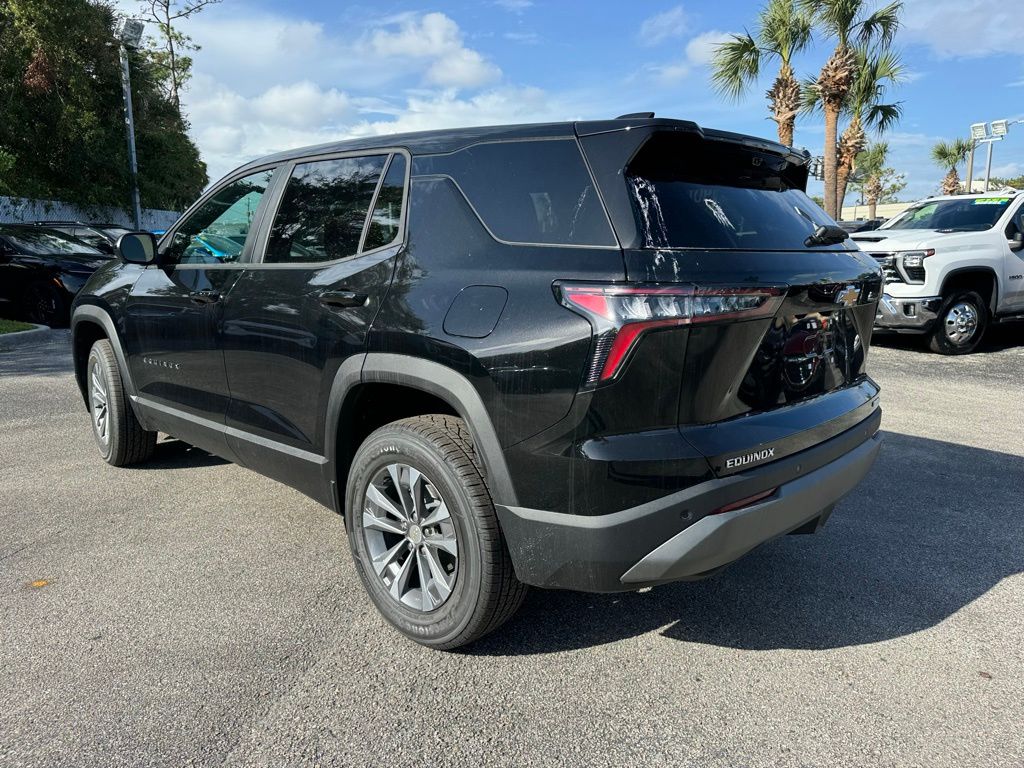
point(45, 242)
point(688, 192)
point(971, 214)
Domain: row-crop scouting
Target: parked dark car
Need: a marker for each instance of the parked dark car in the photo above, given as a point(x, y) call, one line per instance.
point(595, 356)
point(102, 237)
point(41, 270)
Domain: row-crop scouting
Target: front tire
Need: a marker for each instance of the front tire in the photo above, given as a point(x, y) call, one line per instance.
point(424, 534)
point(960, 325)
point(45, 304)
point(121, 439)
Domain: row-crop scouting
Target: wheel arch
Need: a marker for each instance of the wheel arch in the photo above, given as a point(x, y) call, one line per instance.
point(448, 390)
point(983, 279)
point(89, 324)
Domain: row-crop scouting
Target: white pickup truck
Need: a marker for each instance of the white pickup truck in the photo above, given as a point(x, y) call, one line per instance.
point(952, 265)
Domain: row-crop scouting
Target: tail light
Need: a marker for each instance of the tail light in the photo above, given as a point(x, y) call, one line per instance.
point(621, 314)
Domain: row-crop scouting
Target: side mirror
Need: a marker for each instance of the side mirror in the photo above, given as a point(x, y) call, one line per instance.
point(137, 248)
point(1016, 242)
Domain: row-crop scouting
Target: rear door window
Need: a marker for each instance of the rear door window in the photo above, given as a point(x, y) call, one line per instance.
point(323, 210)
point(386, 219)
point(689, 192)
point(529, 191)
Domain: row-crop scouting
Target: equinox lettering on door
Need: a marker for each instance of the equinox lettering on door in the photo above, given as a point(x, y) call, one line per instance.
point(162, 363)
point(749, 458)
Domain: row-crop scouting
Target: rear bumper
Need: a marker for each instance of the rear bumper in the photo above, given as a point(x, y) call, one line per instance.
point(677, 537)
point(907, 315)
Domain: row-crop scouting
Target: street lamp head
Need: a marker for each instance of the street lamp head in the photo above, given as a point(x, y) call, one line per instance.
point(129, 31)
point(1000, 127)
point(979, 131)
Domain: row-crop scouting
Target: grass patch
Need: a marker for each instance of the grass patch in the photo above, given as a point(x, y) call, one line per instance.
point(10, 326)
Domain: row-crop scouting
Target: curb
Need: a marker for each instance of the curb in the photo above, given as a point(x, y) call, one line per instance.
point(21, 338)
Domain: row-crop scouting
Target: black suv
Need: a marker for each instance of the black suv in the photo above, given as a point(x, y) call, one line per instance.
point(594, 356)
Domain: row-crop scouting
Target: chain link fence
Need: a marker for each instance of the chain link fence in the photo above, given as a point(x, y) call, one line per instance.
point(18, 210)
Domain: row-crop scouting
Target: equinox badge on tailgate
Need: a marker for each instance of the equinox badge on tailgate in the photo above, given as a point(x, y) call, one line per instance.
point(749, 458)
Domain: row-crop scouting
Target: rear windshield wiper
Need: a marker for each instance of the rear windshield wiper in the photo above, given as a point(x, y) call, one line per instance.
point(826, 234)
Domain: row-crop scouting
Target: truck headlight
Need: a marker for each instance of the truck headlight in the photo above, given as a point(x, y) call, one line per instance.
point(914, 259)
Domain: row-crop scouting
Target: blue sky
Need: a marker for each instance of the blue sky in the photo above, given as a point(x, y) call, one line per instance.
point(274, 74)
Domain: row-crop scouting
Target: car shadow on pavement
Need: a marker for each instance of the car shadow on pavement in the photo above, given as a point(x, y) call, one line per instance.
point(997, 338)
point(931, 529)
point(172, 453)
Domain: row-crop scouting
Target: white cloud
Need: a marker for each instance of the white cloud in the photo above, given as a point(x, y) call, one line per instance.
point(435, 37)
point(698, 52)
point(515, 6)
point(964, 28)
point(526, 38)
point(669, 24)
point(701, 49)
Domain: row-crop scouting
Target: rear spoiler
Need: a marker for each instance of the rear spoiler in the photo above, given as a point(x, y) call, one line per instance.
point(629, 123)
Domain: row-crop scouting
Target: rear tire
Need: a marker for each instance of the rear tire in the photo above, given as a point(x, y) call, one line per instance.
point(961, 324)
point(121, 439)
point(424, 534)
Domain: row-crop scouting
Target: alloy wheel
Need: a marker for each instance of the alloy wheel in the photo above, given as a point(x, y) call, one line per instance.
point(410, 537)
point(98, 398)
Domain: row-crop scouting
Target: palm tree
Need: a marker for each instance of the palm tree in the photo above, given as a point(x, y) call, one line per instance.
point(850, 23)
point(875, 70)
point(871, 166)
point(948, 155)
point(782, 32)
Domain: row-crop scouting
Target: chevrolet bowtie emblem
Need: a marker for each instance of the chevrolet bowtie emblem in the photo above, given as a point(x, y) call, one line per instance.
point(848, 296)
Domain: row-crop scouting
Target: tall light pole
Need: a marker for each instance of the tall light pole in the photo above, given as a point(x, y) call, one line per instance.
point(980, 135)
point(130, 35)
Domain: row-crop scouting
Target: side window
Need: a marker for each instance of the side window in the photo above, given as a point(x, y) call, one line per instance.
point(323, 210)
point(529, 191)
point(215, 233)
point(387, 211)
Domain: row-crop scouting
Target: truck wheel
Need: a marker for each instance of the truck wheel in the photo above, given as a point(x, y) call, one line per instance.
point(960, 325)
point(425, 536)
point(120, 437)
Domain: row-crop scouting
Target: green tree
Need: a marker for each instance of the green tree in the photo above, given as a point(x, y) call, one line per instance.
point(851, 24)
point(169, 50)
point(1017, 182)
point(63, 127)
point(875, 71)
point(878, 183)
point(781, 32)
point(948, 155)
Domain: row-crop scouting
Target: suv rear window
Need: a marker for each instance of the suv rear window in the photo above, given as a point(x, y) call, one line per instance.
point(690, 192)
point(528, 191)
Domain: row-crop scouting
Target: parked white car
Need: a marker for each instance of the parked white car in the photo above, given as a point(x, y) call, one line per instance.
point(952, 265)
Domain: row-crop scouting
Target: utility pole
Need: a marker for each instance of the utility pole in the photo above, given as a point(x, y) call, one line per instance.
point(130, 33)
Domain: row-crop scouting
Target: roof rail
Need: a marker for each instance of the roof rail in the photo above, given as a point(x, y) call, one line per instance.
point(635, 116)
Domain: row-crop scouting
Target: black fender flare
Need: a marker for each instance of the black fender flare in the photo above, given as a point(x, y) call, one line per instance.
point(434, 379)
point(97, 315)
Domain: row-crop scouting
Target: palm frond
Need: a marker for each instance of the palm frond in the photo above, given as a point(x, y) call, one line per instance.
point(810, 96)
point(784, 29)
point(736, 64)
point(882, 117)
point(949, 154)
point(880, 27)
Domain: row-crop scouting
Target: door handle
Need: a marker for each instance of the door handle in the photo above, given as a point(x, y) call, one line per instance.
point(343, 299)
point(205, 297)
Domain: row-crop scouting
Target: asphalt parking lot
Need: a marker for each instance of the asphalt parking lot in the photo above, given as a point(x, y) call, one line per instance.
point(190, 612)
